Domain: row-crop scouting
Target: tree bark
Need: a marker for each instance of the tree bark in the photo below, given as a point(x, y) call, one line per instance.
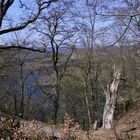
point(111, 99)
point(56, 104)
point(22, 90)
point(87, 103)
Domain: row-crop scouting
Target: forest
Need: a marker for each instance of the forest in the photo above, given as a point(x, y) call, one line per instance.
point(69, 69)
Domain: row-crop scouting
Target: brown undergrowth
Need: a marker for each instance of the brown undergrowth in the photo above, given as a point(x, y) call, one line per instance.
point(126, 128)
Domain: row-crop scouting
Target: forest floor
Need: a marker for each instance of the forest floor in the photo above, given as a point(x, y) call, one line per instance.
point(127, 128)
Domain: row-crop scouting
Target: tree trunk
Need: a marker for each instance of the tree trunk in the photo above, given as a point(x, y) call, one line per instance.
point(22, 90)
point(87, 103)
point(56, 103)
point(111, 99)
point(15, 104)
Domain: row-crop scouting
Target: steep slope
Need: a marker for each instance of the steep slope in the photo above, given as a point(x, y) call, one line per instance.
point(129, 124)
point(127, 127)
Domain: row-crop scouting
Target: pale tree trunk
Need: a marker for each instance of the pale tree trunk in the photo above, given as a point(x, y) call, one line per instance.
point(111, 99)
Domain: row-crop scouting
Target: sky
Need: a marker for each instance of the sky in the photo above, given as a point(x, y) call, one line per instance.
point(17, 15)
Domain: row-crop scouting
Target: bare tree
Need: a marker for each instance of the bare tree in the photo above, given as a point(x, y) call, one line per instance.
point(55, 31)
point(21, 58)
point(6, 4)
point(86, 21)
point(128, 15)
point(111, 94)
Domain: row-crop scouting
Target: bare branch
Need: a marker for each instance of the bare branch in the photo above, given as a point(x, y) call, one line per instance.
point(31, 20)
point(129, 22)
point(3, 9)
point(3, 48)
point(118, 15)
